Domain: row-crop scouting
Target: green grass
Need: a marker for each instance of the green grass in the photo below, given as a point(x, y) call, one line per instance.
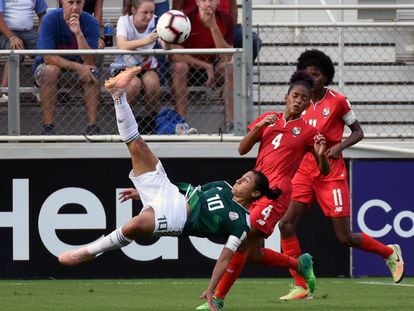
point(182, 294)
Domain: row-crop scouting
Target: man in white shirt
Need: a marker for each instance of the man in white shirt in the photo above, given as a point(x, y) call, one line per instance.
point(17, 28)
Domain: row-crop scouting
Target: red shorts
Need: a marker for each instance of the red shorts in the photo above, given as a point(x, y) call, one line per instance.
point(265, 213)
point(332, 195)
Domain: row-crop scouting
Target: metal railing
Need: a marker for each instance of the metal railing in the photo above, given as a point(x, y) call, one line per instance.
point(374, 68)
point(374, 64)
point(206, 110)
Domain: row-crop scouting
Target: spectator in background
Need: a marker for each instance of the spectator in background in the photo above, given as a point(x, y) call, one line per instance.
point(95, 8)
point(161, 6)
point(229, 6)
point(210, 28)
point(67, 28)
point(17, 29)
point(136, 31)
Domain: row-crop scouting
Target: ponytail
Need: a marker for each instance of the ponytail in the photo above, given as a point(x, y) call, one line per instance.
point(262, 185)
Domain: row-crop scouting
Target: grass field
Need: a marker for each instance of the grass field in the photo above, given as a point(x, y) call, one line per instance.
point(182, 294)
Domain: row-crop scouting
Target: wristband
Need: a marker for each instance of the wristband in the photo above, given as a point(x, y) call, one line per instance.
point(12, 38)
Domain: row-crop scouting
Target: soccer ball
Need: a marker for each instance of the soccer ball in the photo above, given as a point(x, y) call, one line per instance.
point(173, 27)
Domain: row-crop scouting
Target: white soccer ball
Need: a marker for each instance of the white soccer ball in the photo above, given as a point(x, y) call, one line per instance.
point(173, 27)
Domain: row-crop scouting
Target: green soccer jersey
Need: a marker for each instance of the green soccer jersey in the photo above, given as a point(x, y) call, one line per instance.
point(213, 212)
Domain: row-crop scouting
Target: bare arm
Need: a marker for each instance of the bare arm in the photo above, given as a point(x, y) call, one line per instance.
point(253, 136)
point(219, 268)
point(208, 17)
point(319, 154)
point(125, 44)
point(357, 134)
point(15, 42)
point(4, 29)
point(74, 26)
point(84, 70)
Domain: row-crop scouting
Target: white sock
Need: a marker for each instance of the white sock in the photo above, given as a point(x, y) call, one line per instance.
point(127, 125)
point(114, 240)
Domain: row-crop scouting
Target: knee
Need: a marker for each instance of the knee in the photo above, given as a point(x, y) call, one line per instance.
point(51, 74)
point(180, 69)
point(134, 86)
point(152, 86)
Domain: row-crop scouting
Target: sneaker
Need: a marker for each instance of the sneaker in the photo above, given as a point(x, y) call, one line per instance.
point(217, 302)
point(93, 129)
point(396, 263)
point(306, 270)
point(73, 258)
point(48, 129)
point(296, 293)
point(4, 98)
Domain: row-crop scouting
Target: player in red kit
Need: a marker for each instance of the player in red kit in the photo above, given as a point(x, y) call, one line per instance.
point(329, 111)
point(284, 139)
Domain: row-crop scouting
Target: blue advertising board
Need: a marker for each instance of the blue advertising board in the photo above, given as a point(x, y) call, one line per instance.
point(382, 207)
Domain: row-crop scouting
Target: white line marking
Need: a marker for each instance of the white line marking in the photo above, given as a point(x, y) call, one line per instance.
point(384, 283)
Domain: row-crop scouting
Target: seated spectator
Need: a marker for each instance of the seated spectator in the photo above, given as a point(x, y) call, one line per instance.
point(229, 6)
point(95, 8)
point(17, 29)
point(210, 28)
point(67, 28)
point(136, 31)
point(161, 6)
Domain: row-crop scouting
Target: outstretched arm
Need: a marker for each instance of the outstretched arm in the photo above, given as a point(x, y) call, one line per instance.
point(219, 268)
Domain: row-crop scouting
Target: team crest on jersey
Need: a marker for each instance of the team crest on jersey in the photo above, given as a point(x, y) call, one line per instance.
point(233, 216)
point(326, 112)
point(296, 130)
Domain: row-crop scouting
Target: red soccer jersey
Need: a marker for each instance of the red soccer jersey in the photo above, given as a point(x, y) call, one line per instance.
point(282, 147)
point(327, 116)
point(200, 36)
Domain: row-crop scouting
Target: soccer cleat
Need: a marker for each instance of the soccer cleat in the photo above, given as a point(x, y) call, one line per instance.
point(217, 302)
point(73, 258)
point(306, 270)
point(396, 263)
point(296, 293)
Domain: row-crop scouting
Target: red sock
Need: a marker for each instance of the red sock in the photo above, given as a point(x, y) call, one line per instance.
point(291, 247)
point(274, 259)
point(230, 275)
point(371, 245)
